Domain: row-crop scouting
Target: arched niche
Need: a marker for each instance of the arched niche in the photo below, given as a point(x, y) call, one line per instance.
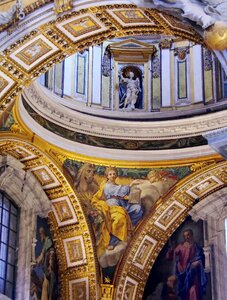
point(26, 54)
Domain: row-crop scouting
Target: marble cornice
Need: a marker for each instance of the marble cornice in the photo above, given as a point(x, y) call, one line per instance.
point(99, 152)
point(54, 111)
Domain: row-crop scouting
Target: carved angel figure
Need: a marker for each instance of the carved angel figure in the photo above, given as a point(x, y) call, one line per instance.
point(204, 12)
point(216, 8)
point(7, 16)
point(132, 90)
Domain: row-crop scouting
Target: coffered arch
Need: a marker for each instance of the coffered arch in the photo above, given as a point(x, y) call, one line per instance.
point(45, 176)
point(29, 53)
point(208, 175)
point(32, 52)
point(155, 230)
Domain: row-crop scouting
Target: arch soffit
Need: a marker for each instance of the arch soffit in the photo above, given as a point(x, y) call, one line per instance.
point(46, 188)
point(213, 207)
point(155, 231)
point(36, 51)
point(26, 190)
point(27, 193)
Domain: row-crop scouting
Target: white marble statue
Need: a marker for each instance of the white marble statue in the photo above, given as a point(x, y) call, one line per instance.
point(204, 12)
point(7, 16)
point(217, 9)
point(132, 90)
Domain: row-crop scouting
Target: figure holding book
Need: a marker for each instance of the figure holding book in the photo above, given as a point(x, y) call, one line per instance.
point(122, 214)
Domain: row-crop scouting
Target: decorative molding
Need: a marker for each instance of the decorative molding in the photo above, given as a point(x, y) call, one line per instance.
point(129, 289)
point(212, 135)
point(64, 212)
point(132, 51)
point(79, 289)
point(201, 165)
point(32, 53)
point(101, 23)
point(165, 44)
point(63, 5)
point(75, 251)
point(204, 186)
point(6, 83)
point(144, 251)
point(52, 109)
point(46, 194)
point(33, 127)
point(169, 215)
point(160, 225)
point(21, 153)
point(181, 53)
point(103, 139)
point(107, 291)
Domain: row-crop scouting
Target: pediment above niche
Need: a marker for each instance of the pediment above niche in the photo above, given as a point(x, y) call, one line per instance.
point(131, 43)
point(132, 50)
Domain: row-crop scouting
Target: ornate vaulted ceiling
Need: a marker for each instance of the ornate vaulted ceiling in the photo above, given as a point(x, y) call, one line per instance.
point(33, 46)
point(34, 53)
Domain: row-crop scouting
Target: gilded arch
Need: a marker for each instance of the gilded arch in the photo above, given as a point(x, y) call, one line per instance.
point(156, 230)
point(55, 45)
point(209, 175)
point(28, 195)
point(64, 231)
point(38, 50)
